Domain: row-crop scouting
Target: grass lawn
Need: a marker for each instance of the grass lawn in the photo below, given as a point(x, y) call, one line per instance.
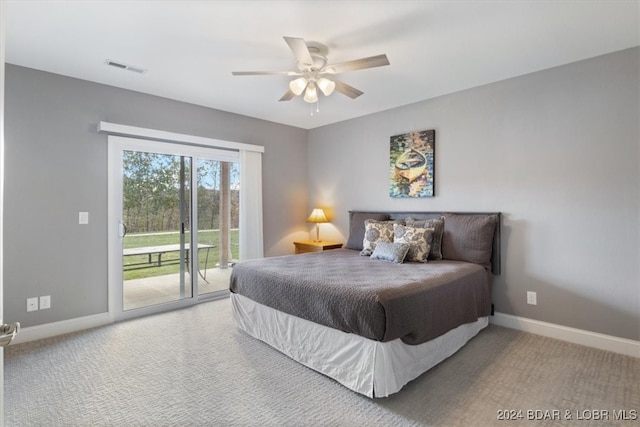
point(170, 260)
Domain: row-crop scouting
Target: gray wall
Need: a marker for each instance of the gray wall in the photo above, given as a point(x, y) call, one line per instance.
point(556, 151)
point(56, 166)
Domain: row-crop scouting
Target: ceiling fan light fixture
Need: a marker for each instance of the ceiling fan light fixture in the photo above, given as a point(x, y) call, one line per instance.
point(311, 95)
point(326, 86)
point(297, 86)
point(311, 60)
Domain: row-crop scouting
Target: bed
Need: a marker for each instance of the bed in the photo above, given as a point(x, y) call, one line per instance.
point(407, 291)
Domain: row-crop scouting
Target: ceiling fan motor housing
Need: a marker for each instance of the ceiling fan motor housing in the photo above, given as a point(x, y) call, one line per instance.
point(318, 54)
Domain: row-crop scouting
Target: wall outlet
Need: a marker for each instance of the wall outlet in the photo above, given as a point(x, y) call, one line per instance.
point(532, 298)
point(45, 302)
point(83, 218)
point(32, 304)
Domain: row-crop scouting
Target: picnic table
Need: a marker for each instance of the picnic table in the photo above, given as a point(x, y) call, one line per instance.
point(150, 251)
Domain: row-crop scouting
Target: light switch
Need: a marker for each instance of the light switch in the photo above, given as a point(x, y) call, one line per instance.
point(83, 217)
point(45, 302)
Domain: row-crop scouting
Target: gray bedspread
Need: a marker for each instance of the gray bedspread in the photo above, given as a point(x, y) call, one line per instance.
point(375, 299)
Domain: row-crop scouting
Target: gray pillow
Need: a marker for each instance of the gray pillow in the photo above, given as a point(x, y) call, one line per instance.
point(356, 228)
point(469, 238)
point(392, 252)
point(438, 226)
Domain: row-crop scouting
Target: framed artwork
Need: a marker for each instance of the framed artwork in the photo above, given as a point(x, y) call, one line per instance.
point(412, 164)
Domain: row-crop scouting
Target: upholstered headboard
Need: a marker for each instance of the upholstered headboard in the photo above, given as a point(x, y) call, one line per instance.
point(356, 227)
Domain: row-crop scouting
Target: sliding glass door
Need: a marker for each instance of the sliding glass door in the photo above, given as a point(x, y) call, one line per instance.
point(156, 196)
point(174, 213)
point(218, 218)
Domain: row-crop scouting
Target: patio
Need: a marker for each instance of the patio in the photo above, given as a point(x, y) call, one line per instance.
point(161, 289)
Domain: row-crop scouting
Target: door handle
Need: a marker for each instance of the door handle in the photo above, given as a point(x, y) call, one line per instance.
point(8, 332)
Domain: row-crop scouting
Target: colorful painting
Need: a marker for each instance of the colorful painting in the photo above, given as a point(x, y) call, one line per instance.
point(412, 164)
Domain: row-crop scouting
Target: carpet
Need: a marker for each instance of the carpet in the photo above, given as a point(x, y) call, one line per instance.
point(193, 367)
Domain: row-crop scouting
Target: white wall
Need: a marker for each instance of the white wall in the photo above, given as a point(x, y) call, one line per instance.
point(556, 151)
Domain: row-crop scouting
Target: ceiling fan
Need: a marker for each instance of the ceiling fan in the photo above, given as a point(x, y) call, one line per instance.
point(314, 72)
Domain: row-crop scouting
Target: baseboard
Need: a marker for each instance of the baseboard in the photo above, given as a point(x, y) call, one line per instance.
point(564, 333)
point(47, 330)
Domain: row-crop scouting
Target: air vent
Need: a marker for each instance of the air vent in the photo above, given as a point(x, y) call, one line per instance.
point(125, 66)
point(137, 70)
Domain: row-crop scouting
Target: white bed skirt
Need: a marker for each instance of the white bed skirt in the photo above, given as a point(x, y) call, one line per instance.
point(372, 368)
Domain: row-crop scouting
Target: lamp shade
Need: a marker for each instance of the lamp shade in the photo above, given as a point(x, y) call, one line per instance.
point(297, 86)
point(326, 86)
point(311, 95)
point(317, 216)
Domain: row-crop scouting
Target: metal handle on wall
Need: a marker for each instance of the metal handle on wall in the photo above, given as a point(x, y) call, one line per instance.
point(8, 333)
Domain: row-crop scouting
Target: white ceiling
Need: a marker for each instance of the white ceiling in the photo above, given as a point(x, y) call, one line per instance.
point(190, 48)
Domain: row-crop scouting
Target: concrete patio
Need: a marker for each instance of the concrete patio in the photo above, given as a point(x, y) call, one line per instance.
point(166, 288)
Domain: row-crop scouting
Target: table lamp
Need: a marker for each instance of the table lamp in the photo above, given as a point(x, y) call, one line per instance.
point(317, 216)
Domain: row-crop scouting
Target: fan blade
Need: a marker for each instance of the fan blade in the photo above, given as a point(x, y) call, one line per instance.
point(358, 64)
point(300, 50)
point(288, 96)
point(347, 90)
point(266, 73)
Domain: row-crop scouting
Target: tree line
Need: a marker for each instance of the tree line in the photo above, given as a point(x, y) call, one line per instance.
point(155, 184)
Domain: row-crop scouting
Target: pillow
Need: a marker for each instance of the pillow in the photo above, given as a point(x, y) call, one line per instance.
point(392, 252)
point(469, 238)
point(375, 231)
point(419, 240)
point(356, 228)
point(438, 225)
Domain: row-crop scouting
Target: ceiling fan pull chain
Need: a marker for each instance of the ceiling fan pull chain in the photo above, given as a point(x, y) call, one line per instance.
point(316, 105)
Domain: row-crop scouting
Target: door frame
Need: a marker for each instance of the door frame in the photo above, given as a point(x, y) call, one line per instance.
point(2, 78)
point(116, 144)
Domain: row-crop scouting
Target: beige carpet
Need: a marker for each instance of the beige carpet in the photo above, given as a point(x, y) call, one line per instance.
point(192, 367)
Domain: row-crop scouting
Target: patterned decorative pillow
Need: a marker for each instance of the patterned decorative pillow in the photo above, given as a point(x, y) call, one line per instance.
point(392, 252)
point(374, 232)
point(438, 225)
point(419, 240)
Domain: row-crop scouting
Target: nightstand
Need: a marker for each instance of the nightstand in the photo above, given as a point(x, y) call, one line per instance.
point(312, 246)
